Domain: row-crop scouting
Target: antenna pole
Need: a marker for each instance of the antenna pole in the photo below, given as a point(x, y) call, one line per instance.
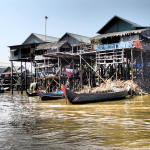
point(45, 26)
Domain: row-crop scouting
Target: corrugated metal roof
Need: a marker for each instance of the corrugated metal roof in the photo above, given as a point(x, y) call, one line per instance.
point(44, 46)
point(47, 46)
point(130, 22)
point(59, 44)
point(118, 34)
point(80, 38)
point(135, 25)
point(48, 38)
point(39, 38)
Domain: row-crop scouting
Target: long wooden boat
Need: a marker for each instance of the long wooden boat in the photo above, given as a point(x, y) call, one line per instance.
point(75, 98)
point(51, 95)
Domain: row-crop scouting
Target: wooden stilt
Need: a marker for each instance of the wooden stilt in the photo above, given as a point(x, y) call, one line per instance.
point(60, 82)
point(81, 82)
point(35, 73)
point(25, 76)
point(21, 79)
point(89, 80)
point(128, 69)
point(72, 49)
point(116, 68)
point(142, 64)
point(132, 64)
point(123, 66)
point(73, 74)
point(31, 72)
point(59, 69)
point(12, 77)
point(90, 74)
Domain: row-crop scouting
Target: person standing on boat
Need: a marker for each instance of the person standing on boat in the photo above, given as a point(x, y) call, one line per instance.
point(63, 88)
point(33, 86)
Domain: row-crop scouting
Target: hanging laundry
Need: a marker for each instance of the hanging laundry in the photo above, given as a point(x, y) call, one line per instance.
point(137, 44)
point(69, 72)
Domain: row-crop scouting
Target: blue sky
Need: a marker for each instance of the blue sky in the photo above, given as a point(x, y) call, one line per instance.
point(20, 18)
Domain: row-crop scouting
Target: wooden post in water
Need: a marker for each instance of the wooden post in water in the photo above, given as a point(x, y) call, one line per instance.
point(123, 65)
point(31, 72)
point(91, 75)
point(73, 73)
point(12, 77)
point(35, 71)
point(21, 80)
point(25, 76)
point(116, 66)
point(81, 84)
point(131, 64)
point(142, 64)
point(59, 73)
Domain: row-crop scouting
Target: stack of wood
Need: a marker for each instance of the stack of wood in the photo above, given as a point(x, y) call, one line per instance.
point(111, 85)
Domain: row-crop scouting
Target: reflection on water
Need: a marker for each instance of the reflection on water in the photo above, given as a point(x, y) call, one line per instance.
point(28, 123)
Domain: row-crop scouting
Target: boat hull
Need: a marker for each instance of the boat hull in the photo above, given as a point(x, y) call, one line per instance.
point(75, 98)
point(32, 94)
point(50, 96)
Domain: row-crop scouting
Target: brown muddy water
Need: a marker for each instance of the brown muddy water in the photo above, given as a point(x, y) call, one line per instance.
point(31, 124)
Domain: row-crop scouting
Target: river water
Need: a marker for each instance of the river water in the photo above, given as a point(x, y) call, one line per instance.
point(31, 124)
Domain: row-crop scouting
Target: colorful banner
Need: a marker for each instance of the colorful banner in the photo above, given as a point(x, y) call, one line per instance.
point(120, 45)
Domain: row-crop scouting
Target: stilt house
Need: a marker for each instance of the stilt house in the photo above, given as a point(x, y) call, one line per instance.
point(122, 50)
